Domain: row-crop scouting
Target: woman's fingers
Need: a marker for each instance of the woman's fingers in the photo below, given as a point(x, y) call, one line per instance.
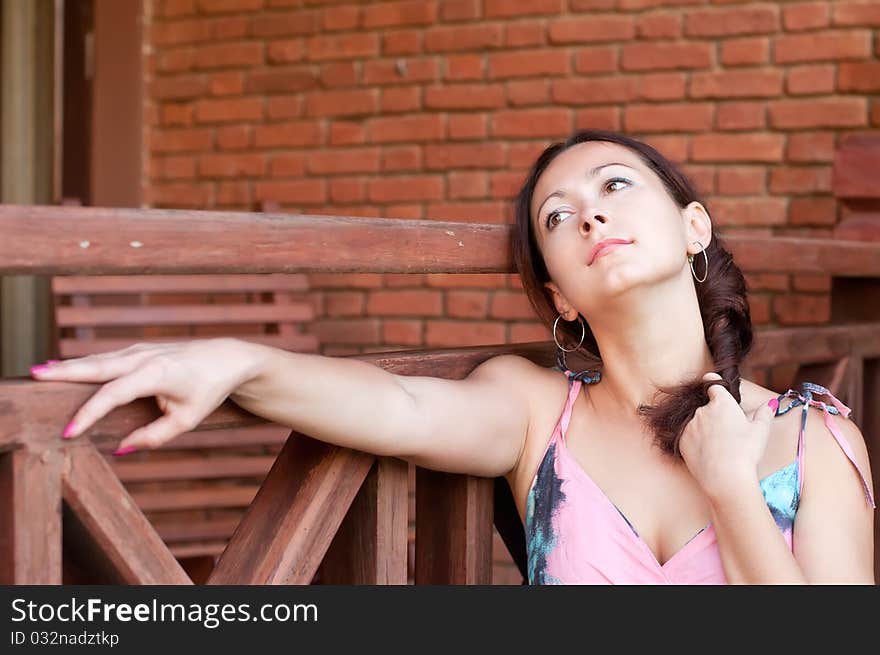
point(95, 368)
point(153, 435)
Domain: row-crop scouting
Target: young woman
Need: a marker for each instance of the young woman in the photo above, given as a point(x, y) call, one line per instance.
point(665, 466)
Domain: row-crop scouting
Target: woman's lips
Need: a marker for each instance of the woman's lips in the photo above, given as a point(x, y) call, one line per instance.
point(605, 249)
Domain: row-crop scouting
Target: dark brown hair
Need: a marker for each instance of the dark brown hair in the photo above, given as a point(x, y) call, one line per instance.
point(722, 297)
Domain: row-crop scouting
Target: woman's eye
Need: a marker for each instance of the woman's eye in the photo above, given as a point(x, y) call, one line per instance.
point(555, 214)
point(610, 183)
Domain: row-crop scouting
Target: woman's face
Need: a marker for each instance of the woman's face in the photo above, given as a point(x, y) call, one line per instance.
point(600, 190)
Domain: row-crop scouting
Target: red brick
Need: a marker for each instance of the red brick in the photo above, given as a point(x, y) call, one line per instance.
point(463, 333)
point(424, 127)
point(460, 38)
point(466, 280)
point(180, 195)
point(767, 281)
point(468, 126)
point(506, 184)
point(468, 212)
point(467, 304)
point(529, 332)
point(528, 63)
point(229, 28)
point(679, 117)
point(275, 80)
point(343, 46)
point(340, 74)
point(238, 165)
point(815, 112)
point(340, 18)
point(464, 67)
point(179, 87)
point(701, 177)
point(525, 93)
point(406, 188)
point(875, 114)
point(656, 56)
point(810, 146)
point(802, 309)
point(468, 185)
point(510, 305)
point(342, 103)
point(811, 282)
point(344, 303)
point(349, 331)
point(742, 181)
point(859, 78)
point(748, 211)
point(458, 10)
point(172, 168)
point(741, 115)
point(228, 6)
point(730, 21)
point(281, 107)
point(593, 29)
point(674, 147)
point(420, 302)
point(234, 137)
point(336, 161)
point(812, 211)
point(465, 96)
point(737, 147)
point(659, 25)
point(283, 52)
point(348, 190)
point(183, 140)
point(300, 23)
point(294, 133)
point(525, 34)
point(822, 46)
point(601, 59)
point(806, 80)
point(524, 154)
point(805, 16)
point(288, 164)
point(603, 118)
point(595, 90)
point(225, 55)
point(181, 31)
point(745, 52)
point(176, 60)
point(345, 133)
point(227, 84)
point(759, 309)
point(176, 115)
point(531, 123)
point(661, 86)
point(402, 158)
point(407, 42)
point(866, 14)
point(403, 331)
point(800, 180)
point(300, 192)
point(737, 84)
point(412, 280)
point(174, 8)
point(398, 14)
point(345, 280)
point(400, 99)
point(507, 9)
point(409, 71)
point(404, 210)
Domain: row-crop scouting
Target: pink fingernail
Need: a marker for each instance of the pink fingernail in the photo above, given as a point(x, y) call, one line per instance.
point(53, 361)
point(124, 451)
point(773, 404)
point(68, 431)
point(36, 370)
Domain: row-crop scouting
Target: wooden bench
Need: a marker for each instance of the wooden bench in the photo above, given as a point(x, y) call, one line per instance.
point(321, 510)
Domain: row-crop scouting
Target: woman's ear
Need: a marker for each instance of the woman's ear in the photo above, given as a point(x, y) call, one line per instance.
point(698, 226)
point(568, 312)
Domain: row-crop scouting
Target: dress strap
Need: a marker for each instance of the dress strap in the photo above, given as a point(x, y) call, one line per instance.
point(574, 386)
point(805, 399)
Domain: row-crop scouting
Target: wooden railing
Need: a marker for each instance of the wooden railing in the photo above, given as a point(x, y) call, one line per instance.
point(321, 506)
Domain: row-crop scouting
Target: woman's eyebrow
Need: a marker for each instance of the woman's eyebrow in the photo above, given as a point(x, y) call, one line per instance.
point(593, 173)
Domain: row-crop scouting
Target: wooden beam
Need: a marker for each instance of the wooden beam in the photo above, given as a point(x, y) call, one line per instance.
point(117, 527)
point(289, 526)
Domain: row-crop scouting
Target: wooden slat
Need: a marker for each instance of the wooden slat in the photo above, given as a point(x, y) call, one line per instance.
point(453, 528)
point(133, 284)
point(286, 531)
point(213, 548)
point(117, 526)
point(201, 498)
point(182, 314)
point(856, 162)
point(80, 348)
point(370, 546)
point(30, 517)
point(268, 434)
point(200, 530)
point(53, 240)
point(192, 468)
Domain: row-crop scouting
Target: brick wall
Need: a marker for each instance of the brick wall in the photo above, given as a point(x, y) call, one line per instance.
point(435, 109)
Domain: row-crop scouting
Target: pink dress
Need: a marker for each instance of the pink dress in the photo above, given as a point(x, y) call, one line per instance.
point(576, 535)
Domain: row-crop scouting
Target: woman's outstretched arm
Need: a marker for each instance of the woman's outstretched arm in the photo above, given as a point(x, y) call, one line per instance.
point(476, 425)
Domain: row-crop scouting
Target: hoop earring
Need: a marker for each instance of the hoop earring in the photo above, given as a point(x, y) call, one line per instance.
point(705, 257)
point(583, 334)
point(586, 377)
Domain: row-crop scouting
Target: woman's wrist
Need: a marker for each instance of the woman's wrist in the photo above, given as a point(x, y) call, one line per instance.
point(250, 360)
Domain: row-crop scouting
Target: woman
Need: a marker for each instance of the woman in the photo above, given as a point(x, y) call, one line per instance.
point(668, 468)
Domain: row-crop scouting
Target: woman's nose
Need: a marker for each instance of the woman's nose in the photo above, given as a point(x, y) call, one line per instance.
point(590, 217)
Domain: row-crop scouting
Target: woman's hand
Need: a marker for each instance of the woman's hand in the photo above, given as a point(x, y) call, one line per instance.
point(189, 380)
point(721, 445)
